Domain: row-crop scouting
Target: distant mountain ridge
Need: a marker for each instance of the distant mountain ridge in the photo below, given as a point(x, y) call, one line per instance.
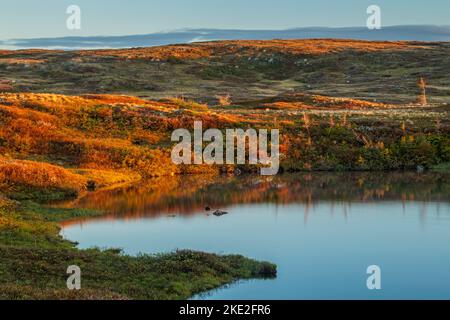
point(391, 33)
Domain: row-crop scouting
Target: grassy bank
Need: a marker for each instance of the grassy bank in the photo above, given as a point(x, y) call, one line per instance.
point(34, 260)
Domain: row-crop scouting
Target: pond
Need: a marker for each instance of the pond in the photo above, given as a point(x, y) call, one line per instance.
point(323, 230)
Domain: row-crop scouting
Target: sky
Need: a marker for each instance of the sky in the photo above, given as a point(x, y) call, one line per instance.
point(34, 19)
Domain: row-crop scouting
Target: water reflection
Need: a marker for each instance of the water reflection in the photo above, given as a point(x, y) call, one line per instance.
point(188, 195)
point(322, 230)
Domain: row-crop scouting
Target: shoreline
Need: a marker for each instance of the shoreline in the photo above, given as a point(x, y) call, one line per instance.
point(46, 254)
point(34, 231)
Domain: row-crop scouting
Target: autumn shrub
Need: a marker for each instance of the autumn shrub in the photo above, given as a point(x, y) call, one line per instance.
point(188, 104)
point(150, 163)
point(19, 176)
point(224, 101)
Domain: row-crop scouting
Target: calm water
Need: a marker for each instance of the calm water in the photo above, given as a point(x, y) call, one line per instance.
point(322, 230)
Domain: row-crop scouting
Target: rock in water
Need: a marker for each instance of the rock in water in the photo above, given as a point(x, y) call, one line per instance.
point(219, 213)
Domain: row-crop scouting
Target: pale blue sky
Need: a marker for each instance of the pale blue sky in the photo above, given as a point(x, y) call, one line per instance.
point(31, 18)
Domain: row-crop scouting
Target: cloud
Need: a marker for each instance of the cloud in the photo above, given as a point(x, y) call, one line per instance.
point(392, 33)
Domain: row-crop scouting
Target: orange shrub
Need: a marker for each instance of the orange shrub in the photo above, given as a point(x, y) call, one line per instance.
point(38, 174)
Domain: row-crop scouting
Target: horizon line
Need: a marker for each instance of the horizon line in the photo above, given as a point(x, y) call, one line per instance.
point(180, 30)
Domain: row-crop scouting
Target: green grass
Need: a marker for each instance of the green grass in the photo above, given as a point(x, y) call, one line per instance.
point(38, 272)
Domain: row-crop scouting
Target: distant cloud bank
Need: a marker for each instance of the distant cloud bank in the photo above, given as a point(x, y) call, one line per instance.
point(392, 33)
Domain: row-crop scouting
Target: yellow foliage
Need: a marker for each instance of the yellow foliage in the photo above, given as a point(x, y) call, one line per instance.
point(38, 174)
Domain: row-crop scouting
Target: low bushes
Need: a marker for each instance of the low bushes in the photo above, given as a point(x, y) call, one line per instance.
point(24, 179)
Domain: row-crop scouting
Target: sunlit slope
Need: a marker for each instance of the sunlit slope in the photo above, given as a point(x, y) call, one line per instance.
point(246, 70)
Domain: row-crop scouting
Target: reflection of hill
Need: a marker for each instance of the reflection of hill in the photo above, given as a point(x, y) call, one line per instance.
point(187, 195)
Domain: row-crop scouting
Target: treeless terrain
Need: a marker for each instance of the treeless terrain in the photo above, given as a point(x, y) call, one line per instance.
point(245, 70)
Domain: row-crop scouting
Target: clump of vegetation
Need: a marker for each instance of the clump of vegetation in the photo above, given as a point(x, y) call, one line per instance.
point(224, 100)
point(188, 104)
point(29, 179)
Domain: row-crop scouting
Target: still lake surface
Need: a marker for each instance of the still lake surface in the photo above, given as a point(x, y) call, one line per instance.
point(322, 230)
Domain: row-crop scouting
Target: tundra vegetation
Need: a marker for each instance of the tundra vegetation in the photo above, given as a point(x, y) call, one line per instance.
point(78, 121)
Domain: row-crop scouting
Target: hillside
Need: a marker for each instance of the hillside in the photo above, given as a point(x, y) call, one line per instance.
point(381, 71)
point(108, 115)
point(109, 139)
